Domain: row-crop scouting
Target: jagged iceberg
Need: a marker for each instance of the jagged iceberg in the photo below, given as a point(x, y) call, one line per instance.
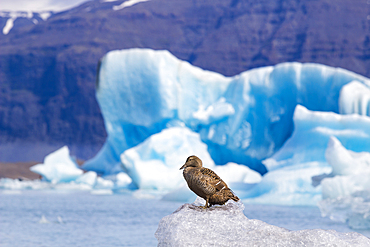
point(58, 167)
point(228, 226)
point(242, 119)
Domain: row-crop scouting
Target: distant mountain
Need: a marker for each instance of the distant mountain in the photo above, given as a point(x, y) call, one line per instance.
point(48, 66)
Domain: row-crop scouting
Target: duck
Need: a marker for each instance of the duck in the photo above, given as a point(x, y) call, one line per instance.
point(206, 183)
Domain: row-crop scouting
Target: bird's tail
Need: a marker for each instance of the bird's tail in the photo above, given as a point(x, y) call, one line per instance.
point(232, 196)
point(235, 198)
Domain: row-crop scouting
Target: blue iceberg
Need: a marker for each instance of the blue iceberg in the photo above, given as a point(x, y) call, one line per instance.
point(243, 119)
point(274, 121)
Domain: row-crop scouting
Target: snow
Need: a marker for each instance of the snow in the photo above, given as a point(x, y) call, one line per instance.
point(228, 226)
point(8, 25)
point(45, 15)
point(39, 5)
point(242, 119)
point(13, 15)
point(126, 4)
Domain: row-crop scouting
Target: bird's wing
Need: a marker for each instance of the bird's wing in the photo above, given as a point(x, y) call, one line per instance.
point(212, 179)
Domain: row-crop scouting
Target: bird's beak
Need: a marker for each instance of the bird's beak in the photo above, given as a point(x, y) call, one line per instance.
point(183, 166)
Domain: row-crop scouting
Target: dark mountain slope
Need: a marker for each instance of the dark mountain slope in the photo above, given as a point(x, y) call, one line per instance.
point(47, 70)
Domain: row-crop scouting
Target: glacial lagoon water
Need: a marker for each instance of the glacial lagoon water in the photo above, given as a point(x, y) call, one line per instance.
point(58, 218)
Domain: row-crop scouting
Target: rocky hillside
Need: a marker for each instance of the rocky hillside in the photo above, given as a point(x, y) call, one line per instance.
point(48, 66)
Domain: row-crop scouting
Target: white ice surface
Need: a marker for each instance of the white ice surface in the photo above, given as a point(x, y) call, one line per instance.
point(228, 226)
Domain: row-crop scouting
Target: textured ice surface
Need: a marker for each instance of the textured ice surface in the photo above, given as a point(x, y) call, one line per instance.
point(228, 226)
point(58, 167)
point(243, 119)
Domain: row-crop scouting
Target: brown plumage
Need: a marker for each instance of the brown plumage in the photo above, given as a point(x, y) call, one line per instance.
point(206, 183)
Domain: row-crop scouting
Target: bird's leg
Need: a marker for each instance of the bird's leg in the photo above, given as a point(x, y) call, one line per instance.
point(205, 206)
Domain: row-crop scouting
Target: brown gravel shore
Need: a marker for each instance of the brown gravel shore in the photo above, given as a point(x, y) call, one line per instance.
point(18, 170)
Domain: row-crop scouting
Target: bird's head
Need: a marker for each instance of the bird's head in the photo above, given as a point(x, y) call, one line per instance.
point(192, 161)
